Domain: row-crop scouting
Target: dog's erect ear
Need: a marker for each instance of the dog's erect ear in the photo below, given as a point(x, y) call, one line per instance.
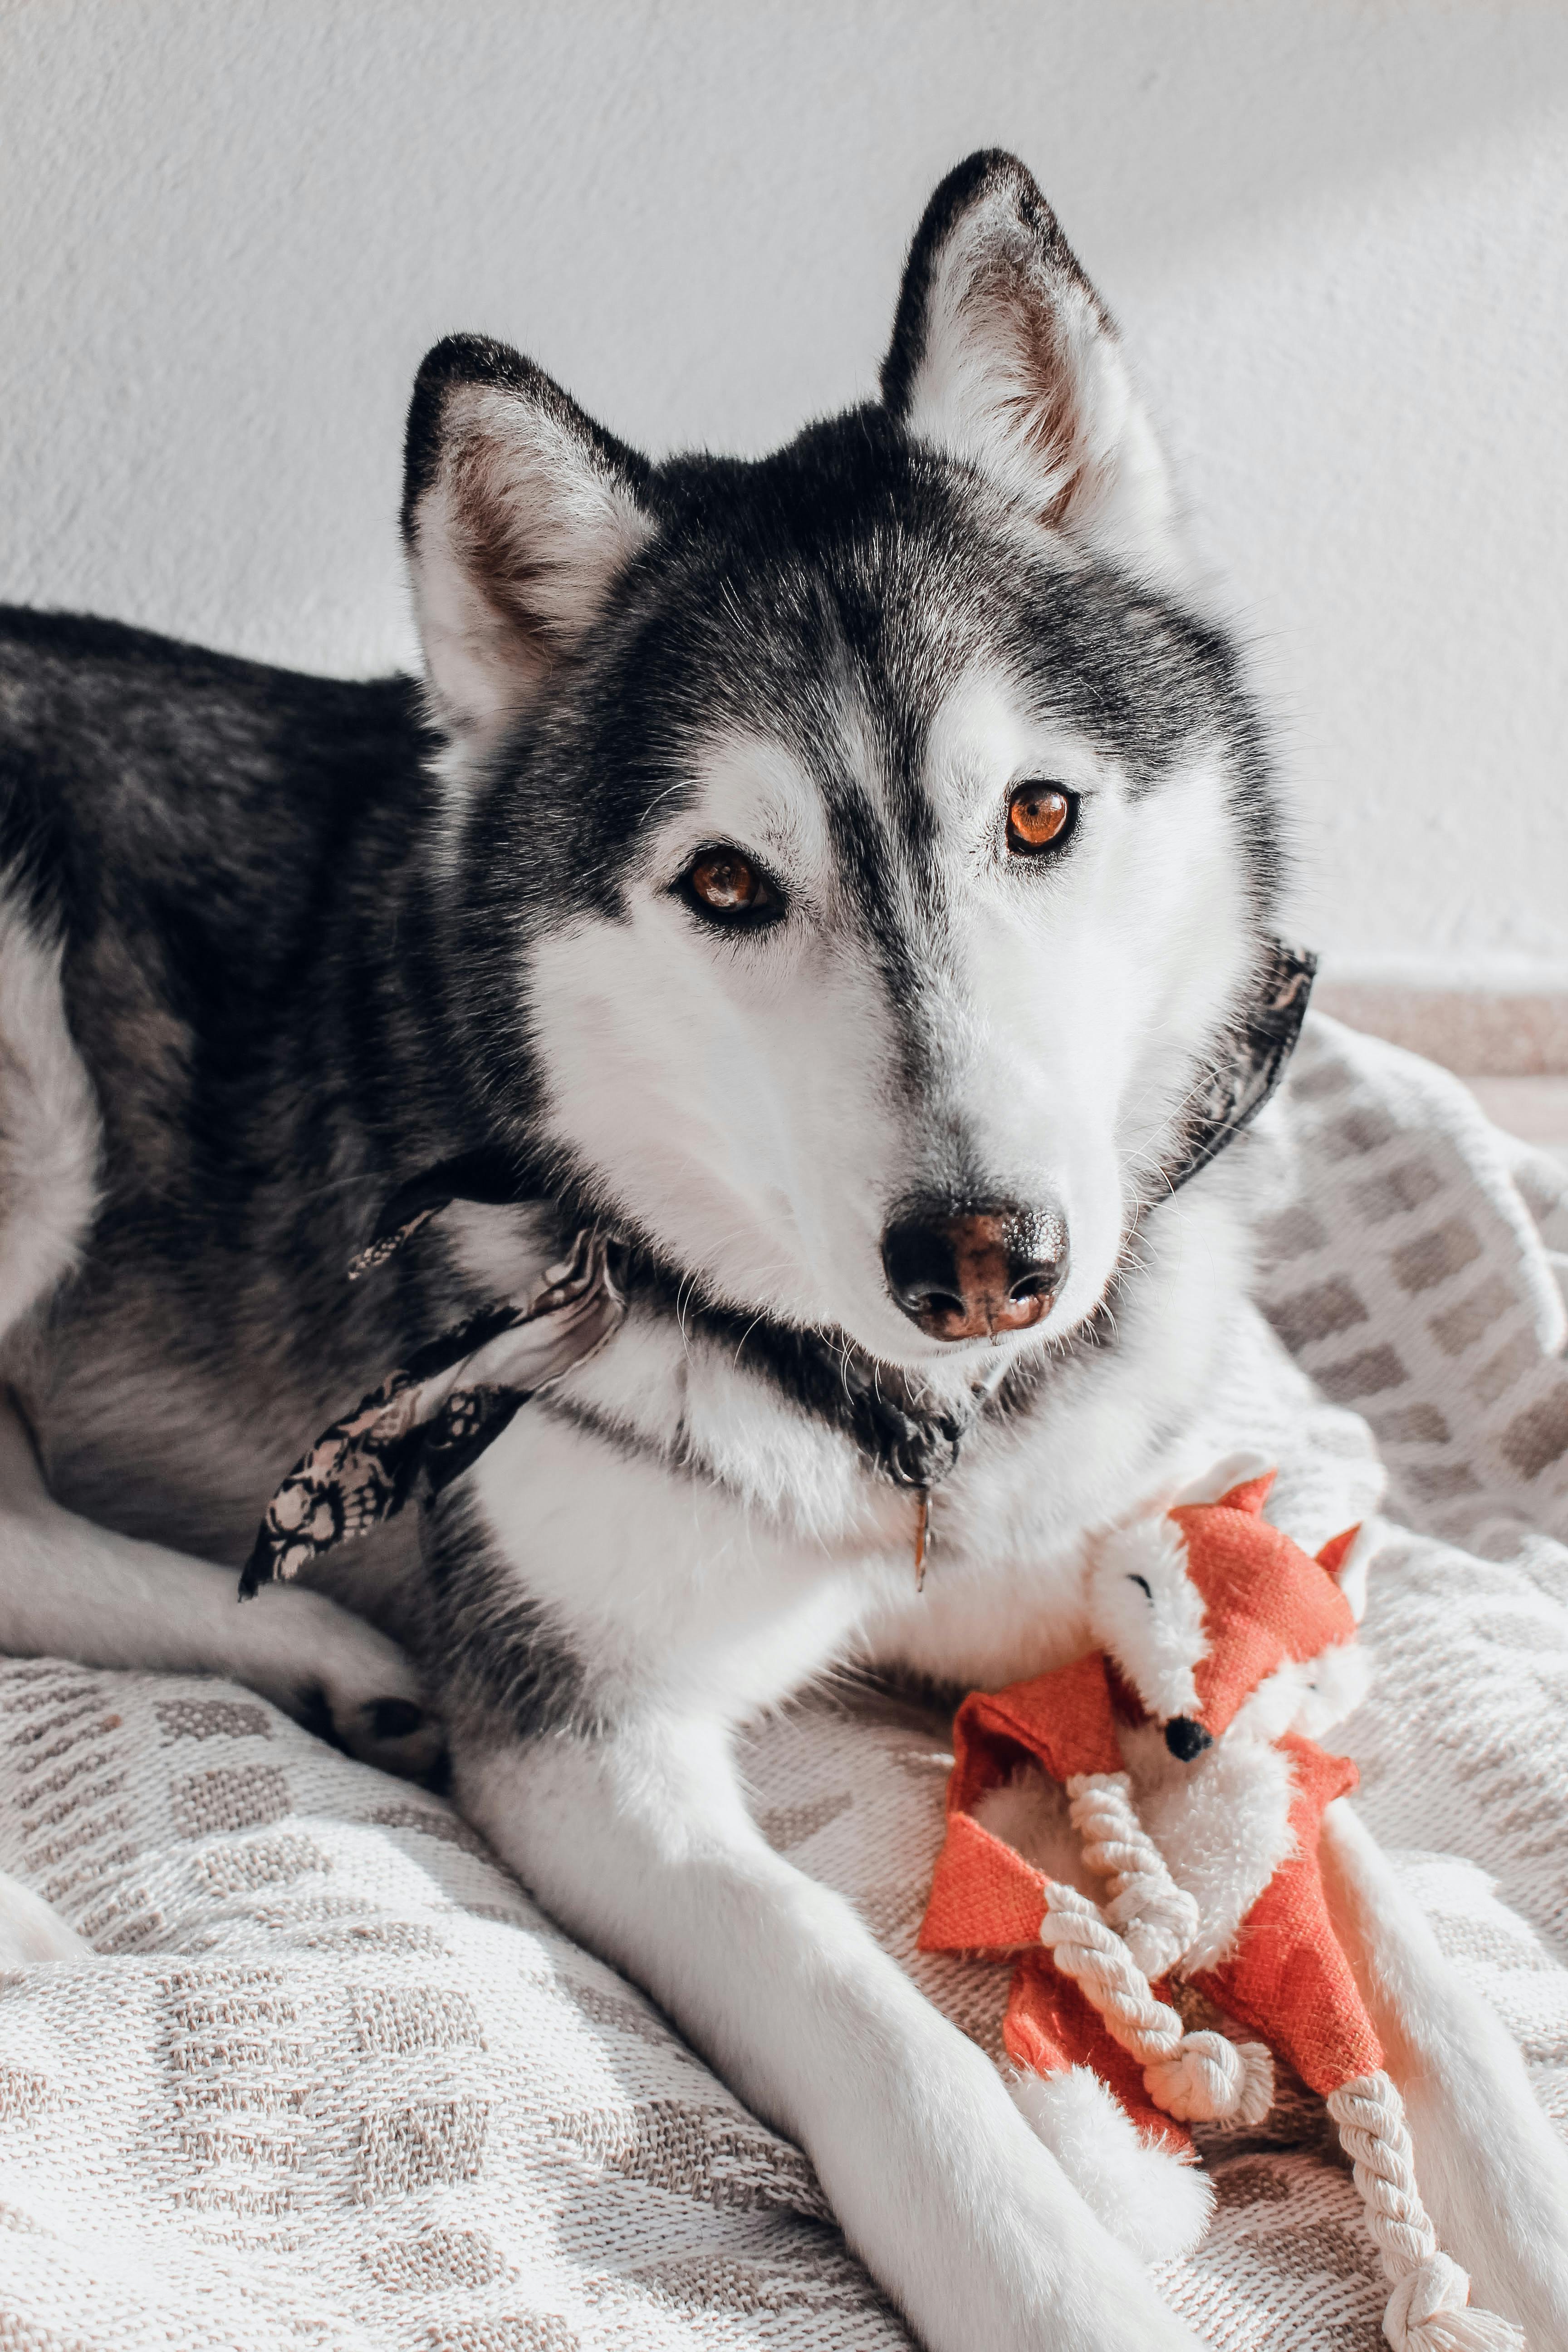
point(517, 513)
point(1004, 357)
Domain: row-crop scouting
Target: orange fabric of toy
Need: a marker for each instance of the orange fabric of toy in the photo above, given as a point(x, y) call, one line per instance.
point(985, 1897)
point(1260, 1591)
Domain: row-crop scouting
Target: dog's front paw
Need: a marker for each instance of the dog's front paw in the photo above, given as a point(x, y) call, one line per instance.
point(345, 1682)
point(998, 2247)
point(1154, 2202)
point(395, 1731)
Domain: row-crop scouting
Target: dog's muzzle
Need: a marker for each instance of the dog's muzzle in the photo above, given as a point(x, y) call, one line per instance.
point(970, 1271)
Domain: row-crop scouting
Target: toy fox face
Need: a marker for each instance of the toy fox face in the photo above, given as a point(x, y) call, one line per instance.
point(1213, 1618)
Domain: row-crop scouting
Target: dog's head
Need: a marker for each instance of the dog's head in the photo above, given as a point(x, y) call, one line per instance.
point(858, 858)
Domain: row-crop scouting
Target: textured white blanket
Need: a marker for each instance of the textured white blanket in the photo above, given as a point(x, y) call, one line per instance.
point(334, 2081)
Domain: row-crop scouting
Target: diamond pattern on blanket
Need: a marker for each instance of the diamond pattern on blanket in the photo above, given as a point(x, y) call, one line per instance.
point(336, 2083)
point(439, 2258)
point(1320, 1313)
point(414, 2017)
point(226, 1799)
point(1436, 1224)
point(531, 2332)
point(1537, 1437)
point(695, 2151)
point(404, 2149)
point(262, 1861)
point(209, 1718)
point(343, 2017)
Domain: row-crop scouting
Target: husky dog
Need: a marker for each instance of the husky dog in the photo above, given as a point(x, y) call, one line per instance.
point(842, 879)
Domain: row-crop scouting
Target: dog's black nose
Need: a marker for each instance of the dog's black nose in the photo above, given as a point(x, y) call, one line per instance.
point(1185, 1739)
point(965, 1271)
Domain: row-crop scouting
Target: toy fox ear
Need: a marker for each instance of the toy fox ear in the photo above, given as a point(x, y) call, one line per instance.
point(1347, 1558)
point(1334, 1553)
point(1250, 1493)
point(1232, 1483)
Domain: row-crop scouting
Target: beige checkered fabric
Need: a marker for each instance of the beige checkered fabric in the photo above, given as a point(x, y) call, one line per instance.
point(335, 2082)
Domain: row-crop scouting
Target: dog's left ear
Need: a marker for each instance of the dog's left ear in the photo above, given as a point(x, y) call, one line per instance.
point(1004, 358)
point(517, 513)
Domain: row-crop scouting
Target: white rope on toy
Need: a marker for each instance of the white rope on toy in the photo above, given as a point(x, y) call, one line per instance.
point(1157, 1918)
point(1429, 2310)
point(1196, 2077)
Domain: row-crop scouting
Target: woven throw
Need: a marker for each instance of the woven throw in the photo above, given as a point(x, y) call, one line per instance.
point(335, 2082)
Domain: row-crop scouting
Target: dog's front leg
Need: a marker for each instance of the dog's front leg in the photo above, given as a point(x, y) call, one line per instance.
point(640, 1843)
point(1492, 2172)
point(72, 1590)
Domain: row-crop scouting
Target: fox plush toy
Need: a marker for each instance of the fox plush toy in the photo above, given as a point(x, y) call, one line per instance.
point(1142, 1826)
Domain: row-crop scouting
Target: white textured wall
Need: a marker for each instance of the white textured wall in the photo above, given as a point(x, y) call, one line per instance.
point(1336, 234)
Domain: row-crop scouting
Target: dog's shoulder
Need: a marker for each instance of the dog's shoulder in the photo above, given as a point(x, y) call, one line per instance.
point(209, 881)
point(188, 772)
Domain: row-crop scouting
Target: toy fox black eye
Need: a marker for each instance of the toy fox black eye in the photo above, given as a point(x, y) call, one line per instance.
point(1040, 816)
point(1144, 1587)
point(723, 886)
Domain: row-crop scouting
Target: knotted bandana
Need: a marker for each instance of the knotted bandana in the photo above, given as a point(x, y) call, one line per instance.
point(430, 1419)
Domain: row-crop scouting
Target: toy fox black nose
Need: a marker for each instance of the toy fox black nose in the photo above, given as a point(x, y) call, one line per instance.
point(967, 1273)
point(1186, 1739)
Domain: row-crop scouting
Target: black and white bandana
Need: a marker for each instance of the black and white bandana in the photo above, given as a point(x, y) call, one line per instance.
point(431, 1420)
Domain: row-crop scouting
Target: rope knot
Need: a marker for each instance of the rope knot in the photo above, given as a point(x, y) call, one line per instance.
point(1429, 2311)
point(1196, 2077)
point(1210, 2080)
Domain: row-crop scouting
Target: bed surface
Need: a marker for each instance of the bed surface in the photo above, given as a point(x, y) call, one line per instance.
point(334, 2081)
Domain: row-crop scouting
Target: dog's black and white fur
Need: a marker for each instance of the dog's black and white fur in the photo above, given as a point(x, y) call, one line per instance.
point(272, 946)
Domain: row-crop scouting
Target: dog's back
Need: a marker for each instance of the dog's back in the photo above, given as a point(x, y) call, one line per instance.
point(206, 864)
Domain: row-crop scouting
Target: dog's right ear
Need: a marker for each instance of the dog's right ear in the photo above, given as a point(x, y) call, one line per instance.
point(1004, 358)
point(518, 514)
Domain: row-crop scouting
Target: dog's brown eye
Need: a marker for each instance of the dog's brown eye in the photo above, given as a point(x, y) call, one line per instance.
point(726, 882)
point(723, 883)
point(1039, 816)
